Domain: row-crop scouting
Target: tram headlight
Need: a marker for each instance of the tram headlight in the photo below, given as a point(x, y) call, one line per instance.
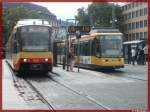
point(25, 60)
point(46, 59)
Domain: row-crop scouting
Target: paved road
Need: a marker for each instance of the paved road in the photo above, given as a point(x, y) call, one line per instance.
point(89, 89)
point(114, 89)
point(138, 71)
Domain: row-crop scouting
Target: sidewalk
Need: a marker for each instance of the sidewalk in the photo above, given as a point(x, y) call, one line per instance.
point(11, 99)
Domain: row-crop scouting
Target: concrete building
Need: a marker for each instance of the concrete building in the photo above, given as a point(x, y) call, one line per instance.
point(135, 21)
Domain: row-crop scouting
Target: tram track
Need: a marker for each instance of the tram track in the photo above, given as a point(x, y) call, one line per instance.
point(87, 97)
point(80, 93)
point(28, 81)
point(42, 97)
point(60, 83)
point(15, 80)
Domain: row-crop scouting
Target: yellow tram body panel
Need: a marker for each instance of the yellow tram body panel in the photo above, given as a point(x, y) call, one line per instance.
point(107, 62)
point(34, 56)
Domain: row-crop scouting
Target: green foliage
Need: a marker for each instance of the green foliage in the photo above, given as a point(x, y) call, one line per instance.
point(83, 17)
point(99, 15)
point(11, 16)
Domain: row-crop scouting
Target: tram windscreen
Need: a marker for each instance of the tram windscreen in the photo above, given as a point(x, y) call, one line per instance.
point(35, 38)
point(111, 46)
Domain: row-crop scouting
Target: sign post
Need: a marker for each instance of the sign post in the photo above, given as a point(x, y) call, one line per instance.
point(78, 31)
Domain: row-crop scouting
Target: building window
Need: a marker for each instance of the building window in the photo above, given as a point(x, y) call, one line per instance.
point(133, 25)
point(141, 24)
point(137, 36)
point(133, 14)
point(145, 23)
point(129, 15)
point(137, 24)
point(141, 12)
point(145, 11)
point(133, 36)
point(132, 5)
point(145, 35)
point(129, 26)
point(137, 13)
point(126, 37)
point(141, 35)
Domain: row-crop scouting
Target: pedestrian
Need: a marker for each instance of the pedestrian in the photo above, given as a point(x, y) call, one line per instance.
point(71, 59)
point(133, 56)
point(145, 53)
point(140, 57)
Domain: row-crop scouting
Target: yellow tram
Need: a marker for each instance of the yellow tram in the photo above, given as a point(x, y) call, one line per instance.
point(30, 46)
point(103, 48)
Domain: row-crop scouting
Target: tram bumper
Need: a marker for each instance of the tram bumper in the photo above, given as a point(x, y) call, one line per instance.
point(36, 67)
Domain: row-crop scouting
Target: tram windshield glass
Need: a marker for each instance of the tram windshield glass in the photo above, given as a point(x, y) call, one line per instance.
point(111, 46)
point(35, 38)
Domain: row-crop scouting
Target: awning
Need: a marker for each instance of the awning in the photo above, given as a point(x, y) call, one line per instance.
point(133, 42)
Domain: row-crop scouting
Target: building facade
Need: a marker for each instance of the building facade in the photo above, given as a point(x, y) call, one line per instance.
point(135, 21)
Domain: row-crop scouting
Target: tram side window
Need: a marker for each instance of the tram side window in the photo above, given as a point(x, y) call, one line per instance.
point(81, 49)
point(14, 44)
point(93, 47)
point(86, 49)
point(97, 47)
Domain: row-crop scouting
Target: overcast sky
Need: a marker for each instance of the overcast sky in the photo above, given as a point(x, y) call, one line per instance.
point(64, 10)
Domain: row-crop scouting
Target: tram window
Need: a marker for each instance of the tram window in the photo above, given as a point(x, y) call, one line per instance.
point(97, 47)
point(81, 49)
point(86, 49)
point(93, 47)
point(15, 44)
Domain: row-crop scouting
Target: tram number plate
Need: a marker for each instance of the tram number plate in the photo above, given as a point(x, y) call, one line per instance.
point(36, 67)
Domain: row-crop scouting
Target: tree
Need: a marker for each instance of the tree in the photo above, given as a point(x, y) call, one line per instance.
point(99, 15)
point(11, 16)
point(83, 17)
